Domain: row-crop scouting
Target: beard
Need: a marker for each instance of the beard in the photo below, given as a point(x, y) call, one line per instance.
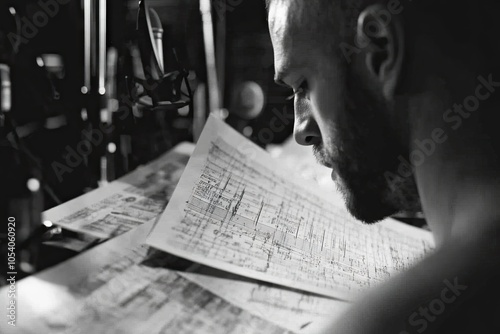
point(365, 150)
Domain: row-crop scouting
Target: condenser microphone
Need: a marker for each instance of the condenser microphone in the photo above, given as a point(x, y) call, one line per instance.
point(5, 89)
point(157, 30)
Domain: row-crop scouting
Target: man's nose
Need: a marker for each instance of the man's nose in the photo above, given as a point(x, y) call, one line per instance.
point(306, 130)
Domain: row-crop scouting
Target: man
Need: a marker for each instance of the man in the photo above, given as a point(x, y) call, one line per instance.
point(400, 98)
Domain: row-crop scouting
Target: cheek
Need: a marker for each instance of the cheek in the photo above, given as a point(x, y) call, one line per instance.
point(327, 103)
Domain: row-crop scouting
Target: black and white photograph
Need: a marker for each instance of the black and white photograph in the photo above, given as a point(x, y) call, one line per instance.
point(249, 167)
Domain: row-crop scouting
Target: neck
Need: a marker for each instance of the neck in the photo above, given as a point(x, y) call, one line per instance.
point(459, 178)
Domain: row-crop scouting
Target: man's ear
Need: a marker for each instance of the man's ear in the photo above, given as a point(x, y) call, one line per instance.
point(382, 37)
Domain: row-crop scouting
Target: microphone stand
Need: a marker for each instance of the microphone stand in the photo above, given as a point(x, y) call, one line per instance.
point(210, 57)
point(94, 87)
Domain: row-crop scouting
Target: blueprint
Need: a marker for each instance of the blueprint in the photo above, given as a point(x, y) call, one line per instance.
point(236, 210)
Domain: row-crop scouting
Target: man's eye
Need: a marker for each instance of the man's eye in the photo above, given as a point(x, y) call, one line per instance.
point(300, 92)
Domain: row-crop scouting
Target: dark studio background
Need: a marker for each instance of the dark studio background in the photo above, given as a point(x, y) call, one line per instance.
point(31, 143)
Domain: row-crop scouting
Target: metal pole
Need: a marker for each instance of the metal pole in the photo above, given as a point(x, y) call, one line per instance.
point(208, 36)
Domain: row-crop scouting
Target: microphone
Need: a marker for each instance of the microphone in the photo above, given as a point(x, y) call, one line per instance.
point(164, 90)
point(5, 89)
point(157, 30)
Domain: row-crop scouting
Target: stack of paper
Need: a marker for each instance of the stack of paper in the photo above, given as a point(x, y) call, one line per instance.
point(236, 210)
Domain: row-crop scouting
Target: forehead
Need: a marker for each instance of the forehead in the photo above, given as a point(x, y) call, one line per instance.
point(287, 20)
point(288, 40)
point(297, 30)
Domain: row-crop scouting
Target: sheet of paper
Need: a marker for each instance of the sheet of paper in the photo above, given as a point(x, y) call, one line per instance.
point(126, 203)
point(237, 210)
point(123, 287)
point(297, 311)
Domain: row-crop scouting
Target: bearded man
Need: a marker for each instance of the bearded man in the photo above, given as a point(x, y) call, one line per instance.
point(400, 99)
